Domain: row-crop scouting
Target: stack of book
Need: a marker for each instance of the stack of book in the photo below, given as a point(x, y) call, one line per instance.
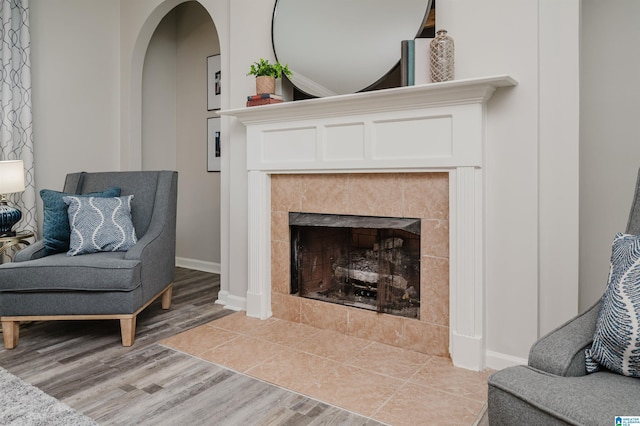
point(263, 99)
point(414, 62)
point(407, 62)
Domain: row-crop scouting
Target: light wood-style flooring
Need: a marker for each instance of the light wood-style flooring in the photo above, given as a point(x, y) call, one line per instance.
point(83, 364)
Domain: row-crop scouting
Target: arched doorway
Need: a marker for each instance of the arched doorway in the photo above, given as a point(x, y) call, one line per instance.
point(173, 126)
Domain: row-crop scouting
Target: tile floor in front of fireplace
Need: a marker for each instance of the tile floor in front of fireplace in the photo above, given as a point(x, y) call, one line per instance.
point(392, 385)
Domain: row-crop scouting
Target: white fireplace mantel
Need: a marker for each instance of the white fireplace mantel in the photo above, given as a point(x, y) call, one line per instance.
point(455, 92)
point(432, 127)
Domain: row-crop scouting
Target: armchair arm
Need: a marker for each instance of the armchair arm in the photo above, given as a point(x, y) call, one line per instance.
point(156, 253)
point(31, 252)
point(156, 249)
point(561, 352)
point(153, 249)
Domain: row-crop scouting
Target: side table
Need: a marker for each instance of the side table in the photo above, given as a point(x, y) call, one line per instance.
point(12, 243)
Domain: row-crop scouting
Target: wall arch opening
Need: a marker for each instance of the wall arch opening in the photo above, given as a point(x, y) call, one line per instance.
point(173, 126)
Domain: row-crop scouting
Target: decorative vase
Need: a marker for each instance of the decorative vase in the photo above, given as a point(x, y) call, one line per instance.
point(265, 84)
point(9, 216)
point(441, 57)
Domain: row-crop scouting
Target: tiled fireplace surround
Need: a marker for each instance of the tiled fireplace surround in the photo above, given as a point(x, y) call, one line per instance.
point(417, 195)
point(425, 140)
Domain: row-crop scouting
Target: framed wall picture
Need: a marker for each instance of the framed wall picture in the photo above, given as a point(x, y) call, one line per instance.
point(213, 144)
point(213, 82)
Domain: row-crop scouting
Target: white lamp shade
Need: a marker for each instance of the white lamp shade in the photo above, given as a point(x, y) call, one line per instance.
point(11, 176)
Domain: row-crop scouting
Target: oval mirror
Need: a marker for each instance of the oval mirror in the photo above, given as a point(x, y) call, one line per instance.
point(335, 47)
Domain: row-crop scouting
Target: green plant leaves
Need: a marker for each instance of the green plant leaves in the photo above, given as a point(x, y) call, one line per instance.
point(264, 68)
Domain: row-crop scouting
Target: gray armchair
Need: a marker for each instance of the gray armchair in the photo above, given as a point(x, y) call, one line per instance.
point(554, 388)
point(104, 285)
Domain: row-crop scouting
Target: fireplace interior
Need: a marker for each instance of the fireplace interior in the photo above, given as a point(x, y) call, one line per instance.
point(360, 261)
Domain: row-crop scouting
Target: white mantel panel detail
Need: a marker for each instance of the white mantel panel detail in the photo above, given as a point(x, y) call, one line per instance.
point(289, 145)
point(435, 127)
point(344, 142)
point(442, 137)
point(413, 138)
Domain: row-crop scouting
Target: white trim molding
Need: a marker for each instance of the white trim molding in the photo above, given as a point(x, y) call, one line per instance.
point(198, 265)
point(498, 361)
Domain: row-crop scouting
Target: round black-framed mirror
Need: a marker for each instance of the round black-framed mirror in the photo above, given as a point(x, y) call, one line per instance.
point(336, 47)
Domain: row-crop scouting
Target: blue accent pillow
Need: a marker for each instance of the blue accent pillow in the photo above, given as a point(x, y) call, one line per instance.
point(100, 224)
point(55, 227)
point(616, 342)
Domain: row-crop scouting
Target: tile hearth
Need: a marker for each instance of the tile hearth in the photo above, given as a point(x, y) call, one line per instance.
point(389, 384)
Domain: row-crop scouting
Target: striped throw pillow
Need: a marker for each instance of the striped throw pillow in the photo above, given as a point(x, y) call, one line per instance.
point(616, 342)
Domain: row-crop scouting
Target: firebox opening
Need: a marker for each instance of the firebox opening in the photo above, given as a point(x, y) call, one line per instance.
point(361, 261)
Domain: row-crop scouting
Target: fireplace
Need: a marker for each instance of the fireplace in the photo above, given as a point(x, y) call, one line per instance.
point(365, 262)
point(413, 206)
point(428, 130)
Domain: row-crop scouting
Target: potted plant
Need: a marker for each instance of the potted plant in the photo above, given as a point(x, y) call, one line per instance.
point(266, 74)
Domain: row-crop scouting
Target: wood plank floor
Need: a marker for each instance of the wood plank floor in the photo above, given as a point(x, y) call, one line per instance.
point(83, 364)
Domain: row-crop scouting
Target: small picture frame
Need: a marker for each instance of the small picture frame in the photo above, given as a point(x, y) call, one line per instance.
point(213, 83)
point(213, 144)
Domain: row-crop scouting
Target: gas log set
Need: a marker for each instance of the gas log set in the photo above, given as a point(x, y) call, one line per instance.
point(361, 261)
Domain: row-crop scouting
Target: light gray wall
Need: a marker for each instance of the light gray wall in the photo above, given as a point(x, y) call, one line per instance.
point(159, 98)
point(199, 204)
point(609, 133)
point(75, 65)
point(174, 127)
point(75, 54)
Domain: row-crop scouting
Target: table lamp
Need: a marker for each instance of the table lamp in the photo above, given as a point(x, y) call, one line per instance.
point(11, 180)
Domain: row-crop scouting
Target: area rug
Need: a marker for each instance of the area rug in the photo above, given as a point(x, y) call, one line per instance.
point(22, 404)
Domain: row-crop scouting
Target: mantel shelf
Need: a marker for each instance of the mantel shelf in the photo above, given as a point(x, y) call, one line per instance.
point(455, 92)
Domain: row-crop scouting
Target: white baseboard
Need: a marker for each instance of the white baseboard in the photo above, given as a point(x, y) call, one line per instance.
point(466, 352)
point(229, 301)
point(499, 361)
point(222, 297)
point(198, 265)
point(235, 303)
point(258, 306)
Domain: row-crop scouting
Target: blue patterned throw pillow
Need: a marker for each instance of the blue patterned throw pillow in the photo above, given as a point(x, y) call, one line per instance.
point(55, 227)
point(100, 224)
point(616, 342)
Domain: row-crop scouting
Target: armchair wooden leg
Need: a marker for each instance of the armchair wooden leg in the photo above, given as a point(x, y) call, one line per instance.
point(166, 297)
point(128, 330)
point(10, 333)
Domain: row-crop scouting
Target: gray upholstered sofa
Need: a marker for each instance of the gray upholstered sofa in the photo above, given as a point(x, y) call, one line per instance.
point(103, 285)
point(554, 389)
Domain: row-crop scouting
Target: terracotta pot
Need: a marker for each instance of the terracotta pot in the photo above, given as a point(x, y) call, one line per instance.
point(265, 84)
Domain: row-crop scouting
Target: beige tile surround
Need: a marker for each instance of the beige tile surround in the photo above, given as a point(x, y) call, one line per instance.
point(418, 195)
